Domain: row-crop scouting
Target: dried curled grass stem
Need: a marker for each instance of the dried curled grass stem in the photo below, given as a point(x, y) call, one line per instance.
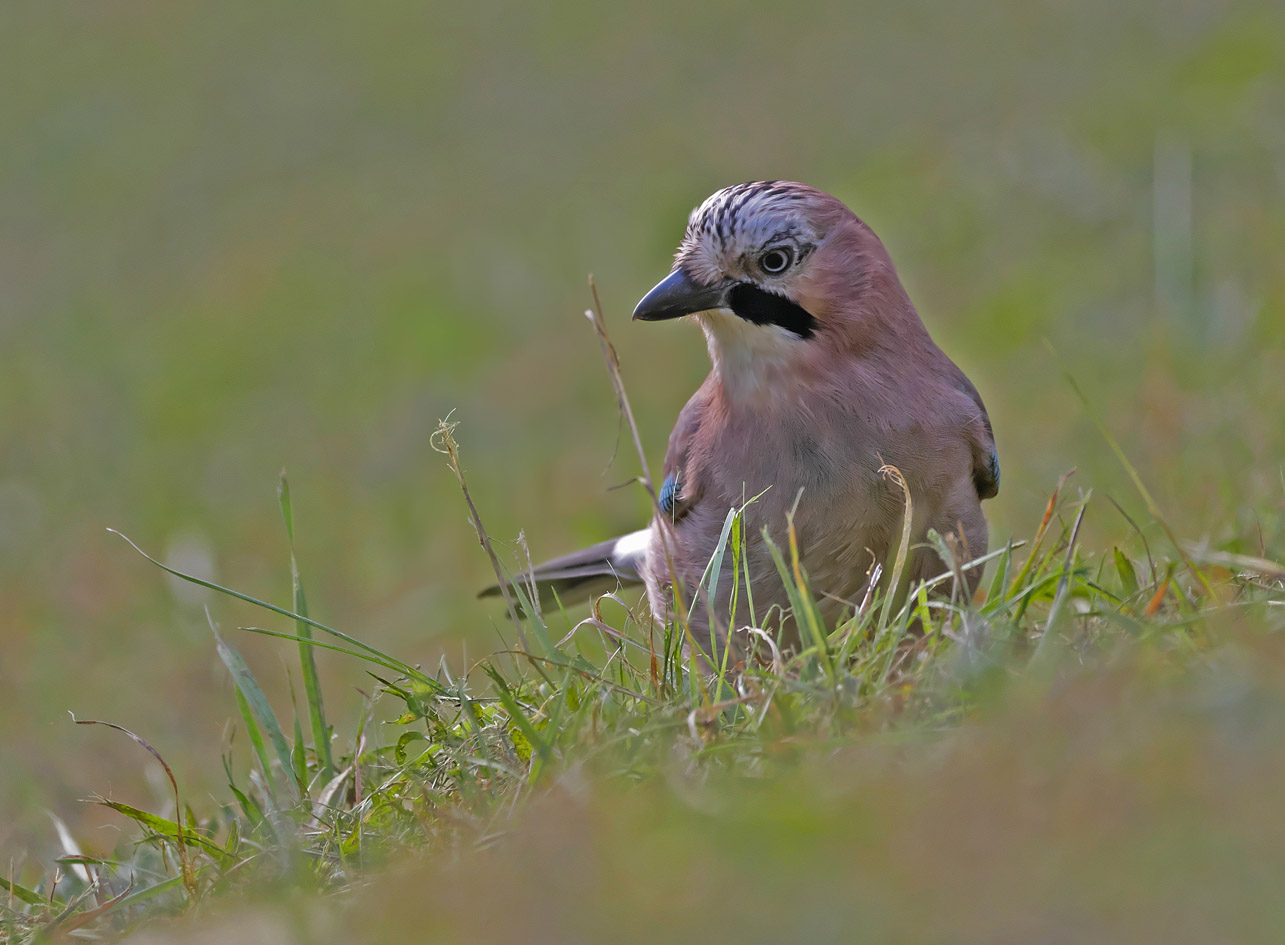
point(893, 474)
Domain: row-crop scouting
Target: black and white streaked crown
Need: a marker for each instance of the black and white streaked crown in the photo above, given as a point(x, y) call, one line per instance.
point(747, 214)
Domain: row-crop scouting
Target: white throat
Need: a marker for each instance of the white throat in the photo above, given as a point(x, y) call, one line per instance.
point(752, 361)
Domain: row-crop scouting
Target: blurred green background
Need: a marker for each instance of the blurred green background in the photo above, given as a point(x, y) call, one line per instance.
point(236, 237)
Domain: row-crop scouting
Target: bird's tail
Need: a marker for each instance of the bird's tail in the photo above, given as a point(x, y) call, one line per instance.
point(581, 575)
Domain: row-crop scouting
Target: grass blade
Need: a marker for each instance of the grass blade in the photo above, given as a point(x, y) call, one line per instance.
point(257, 702)
point(168, 829)
point(256, 739)
point(410, 671)
point(307, 663)
point(22, 893)
point(1054, 621)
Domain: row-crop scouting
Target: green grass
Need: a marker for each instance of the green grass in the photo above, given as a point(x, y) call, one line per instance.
point(295, 241)
point(237, 239)
point(1119, 676)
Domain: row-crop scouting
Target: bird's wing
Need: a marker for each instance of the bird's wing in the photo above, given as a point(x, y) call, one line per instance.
point(681, 485)
point(618, 562)
point(981, 439)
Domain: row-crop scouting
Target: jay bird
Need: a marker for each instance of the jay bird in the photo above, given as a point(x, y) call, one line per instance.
point(822, 373)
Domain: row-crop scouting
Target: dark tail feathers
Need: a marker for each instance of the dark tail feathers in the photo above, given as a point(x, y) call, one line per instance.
point(590, 572)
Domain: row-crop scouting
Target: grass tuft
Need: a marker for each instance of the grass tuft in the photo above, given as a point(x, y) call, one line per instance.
point(439, 765)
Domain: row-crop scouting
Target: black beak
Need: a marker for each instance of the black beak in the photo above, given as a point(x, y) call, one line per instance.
point(678, 295)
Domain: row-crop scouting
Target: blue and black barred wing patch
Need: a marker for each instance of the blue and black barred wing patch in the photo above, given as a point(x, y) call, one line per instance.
point(671, 499)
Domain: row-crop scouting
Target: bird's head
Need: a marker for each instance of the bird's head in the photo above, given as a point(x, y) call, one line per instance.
point(773, 270)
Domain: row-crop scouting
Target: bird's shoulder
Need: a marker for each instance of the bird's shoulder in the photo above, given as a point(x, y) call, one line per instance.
point(931, 394)
point(976, 425)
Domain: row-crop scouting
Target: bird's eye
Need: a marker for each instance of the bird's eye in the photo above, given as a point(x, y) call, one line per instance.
point(776, 261)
